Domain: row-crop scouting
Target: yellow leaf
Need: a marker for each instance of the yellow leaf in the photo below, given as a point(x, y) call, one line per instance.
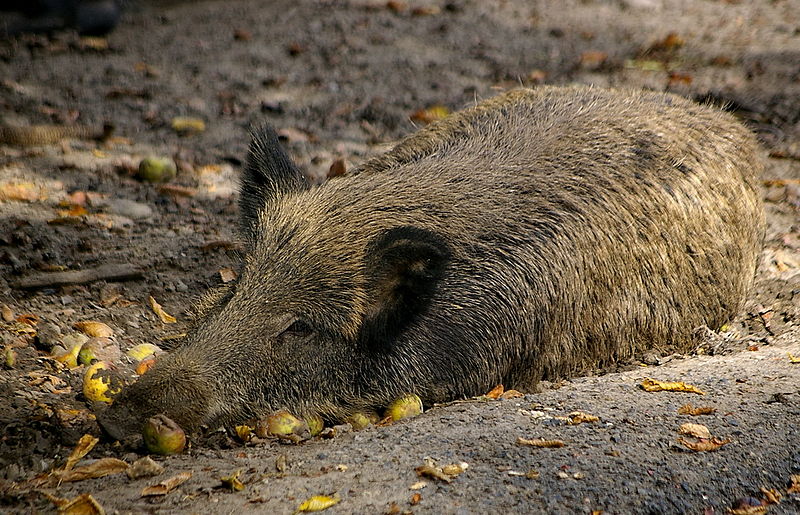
point(579, 417)
point(793, 359)
point(232, 482)
point(158, 310)
point(696, 430)
point(688, 409)
point(84, 504)
point(318, 503)
point(185, 125)
point(654, 385)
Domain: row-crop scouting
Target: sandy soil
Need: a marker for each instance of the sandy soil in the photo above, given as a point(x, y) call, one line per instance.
point(343, 79)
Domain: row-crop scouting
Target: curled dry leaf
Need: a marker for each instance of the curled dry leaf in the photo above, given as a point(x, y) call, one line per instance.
point(771, 496)
point(430, 114)
point(795, 486)
point(654, 385)
point(793, 359)
point(187, 125)
point(688, 409)
point(144, 467)
point(318, 503)
point(85, 444)
point(232, 482)
point(511, 394)
point(166, 486)
point(495, 392)
point(7, 314)
point(432, 472)
point(704, 445)
point(158, 310)
point(696, 430)
point(579, 417)
point(539, 442)
point(100, 468)
point(84, 504)
point(415, 499)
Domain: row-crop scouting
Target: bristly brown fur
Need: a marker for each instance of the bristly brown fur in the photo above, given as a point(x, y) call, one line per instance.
point(536, 235)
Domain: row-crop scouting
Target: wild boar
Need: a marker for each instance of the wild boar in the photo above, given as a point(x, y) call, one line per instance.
point(535, 235)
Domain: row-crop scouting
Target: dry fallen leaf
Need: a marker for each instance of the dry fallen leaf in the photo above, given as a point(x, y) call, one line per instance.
point(688, 409)
point(232, 482)
point(227, 275)
point(318, 503)
point(166, 486)
point(704, 445)
point(579, 417)
point(433, 472)
point(696, 430)
point(144, 467)
point(100, 468)
point(22, 191)
point(795, 487)
point(84, 504)
point(654, 385)
point(771, 496)
point(415, 499)
point(187, 125)
point(430, 114)
point(94, 329)
point(511, 394)
point(539, 442)
point(793, 359)
point(495, 392)
point(85, 444)
point(158, 310)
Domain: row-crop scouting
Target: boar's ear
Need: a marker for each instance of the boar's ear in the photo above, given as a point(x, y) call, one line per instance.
point(268, 173)
point(404, 265)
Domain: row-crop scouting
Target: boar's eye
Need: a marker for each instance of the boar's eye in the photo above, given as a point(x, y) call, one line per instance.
point(297, 329)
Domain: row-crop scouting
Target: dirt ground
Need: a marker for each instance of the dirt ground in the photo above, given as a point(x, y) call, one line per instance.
point(343, 80)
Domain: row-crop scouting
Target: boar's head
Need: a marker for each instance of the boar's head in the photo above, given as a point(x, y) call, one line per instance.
point(309, 323)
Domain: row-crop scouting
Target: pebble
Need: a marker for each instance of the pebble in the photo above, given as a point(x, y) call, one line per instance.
point(47, 335)
point(129, 208)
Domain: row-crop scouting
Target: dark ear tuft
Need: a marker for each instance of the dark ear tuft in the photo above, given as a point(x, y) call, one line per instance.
point(404, 265)
point(268, 173)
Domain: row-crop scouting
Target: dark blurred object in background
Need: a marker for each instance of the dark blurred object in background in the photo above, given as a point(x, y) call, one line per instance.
point(89, 17)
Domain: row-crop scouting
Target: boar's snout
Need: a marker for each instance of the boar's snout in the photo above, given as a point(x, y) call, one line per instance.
point(181, 390)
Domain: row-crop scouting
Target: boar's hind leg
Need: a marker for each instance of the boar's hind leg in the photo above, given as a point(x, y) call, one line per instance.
point(268, 174)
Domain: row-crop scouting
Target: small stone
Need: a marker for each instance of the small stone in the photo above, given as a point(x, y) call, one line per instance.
point(129, 208)
point(47, 335)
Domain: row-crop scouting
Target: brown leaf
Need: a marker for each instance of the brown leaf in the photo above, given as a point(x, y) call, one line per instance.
point(704, 445)
point(688, 409)
point(415, 499)
point(539, 442)
point(85, 444)
point(426, 11)
point(654, 385)
point(696, 430)
point(227, 275)
point(84, 504)
point(433, 473)
point(100, 468)
point(144, 467)
point(512, 394)
point(495, 392)
point(771, 496)
point(337, 169)
point(579, 417)
point(593, 59)
point(21, 191)
point(795, 487)
point(94, 329)
point(166, 486)
point(676, 78)
point(158, 310)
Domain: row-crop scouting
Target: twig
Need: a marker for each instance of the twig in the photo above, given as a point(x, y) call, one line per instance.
point(116, 272)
